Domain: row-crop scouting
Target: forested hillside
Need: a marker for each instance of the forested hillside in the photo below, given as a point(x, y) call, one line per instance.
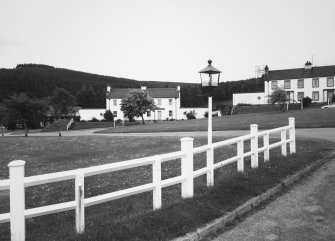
point(39, 81)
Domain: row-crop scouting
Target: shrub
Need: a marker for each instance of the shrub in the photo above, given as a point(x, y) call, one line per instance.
point(76, 118)
point(190, 115)
point(306, 101)
point(108, 115)
point(94, 120)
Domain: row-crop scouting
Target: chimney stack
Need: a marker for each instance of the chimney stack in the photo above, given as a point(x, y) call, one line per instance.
point(108, 88)
point(308, 65)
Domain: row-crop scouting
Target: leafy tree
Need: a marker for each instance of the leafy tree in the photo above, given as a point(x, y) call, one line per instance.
point(3, 118)
point(279, 96)
point(108, 115)
point(137, 103)
point(62, 102)
point(22, 108)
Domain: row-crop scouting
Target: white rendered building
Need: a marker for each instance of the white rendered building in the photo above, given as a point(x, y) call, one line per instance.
point(166, 99)
point(316, 82)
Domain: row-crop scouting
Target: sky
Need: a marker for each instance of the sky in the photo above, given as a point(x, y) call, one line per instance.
point(167, 40)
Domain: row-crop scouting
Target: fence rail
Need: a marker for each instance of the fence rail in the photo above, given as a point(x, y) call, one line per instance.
point(17, 182)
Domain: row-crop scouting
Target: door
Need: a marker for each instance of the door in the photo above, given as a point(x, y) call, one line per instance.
point(159, 115)
point(330, 96)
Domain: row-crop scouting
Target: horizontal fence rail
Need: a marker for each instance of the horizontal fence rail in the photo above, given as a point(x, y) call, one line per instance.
point(17, 182)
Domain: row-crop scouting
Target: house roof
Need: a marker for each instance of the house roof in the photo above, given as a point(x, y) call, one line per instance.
point(302, 73)
point(153, 92)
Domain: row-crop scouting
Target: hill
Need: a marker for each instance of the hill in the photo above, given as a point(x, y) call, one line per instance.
point(38, 81)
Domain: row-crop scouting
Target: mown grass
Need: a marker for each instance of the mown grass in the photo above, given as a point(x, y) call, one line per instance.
point(308, 118)
point(132, 218)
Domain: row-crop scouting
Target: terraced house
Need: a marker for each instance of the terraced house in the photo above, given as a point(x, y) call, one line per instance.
point(166, 99)
point(316, 82)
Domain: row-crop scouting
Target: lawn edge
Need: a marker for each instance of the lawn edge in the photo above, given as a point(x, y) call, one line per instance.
point(252, 203)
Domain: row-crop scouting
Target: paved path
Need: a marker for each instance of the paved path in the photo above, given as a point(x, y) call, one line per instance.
point(320, 133)
point(304, 213)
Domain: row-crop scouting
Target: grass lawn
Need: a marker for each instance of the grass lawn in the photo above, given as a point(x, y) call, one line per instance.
point(308, 118)
point(132, 218)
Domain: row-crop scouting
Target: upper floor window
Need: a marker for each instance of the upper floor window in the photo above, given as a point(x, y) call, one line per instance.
point(170, 101)
point(287, 84)
point(300, 83)
point(159, 102)
point(315, 82)
point(274, 84)
point(330, 82)
point(315, 95)
point(115, 102)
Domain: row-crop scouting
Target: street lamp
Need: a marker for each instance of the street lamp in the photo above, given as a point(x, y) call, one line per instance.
point(210, 78)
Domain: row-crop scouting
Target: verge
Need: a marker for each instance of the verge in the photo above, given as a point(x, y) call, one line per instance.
point(252, 203)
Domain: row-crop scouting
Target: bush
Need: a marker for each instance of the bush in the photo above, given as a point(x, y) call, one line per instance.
point(94, 120)
point(108, 115)
point(190, 115)
point(306, 101)
point(76, 118)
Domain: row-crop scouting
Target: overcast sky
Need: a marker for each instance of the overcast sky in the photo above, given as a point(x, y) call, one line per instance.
point(167, 40)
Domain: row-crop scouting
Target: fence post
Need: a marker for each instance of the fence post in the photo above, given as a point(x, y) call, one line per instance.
point(254, 145)
point(240, 152)
point(187, 167)
point(210, 165)
point(17, 200)
point(266, 144)
point(284, 144)
point(291, 122)
point(157, 180)
point(80, 207)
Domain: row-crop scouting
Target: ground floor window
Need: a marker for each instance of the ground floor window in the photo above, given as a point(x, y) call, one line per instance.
point(315, 95)
point(300, 95)
point(148, 114)
point(115, 113)
point(170, 113)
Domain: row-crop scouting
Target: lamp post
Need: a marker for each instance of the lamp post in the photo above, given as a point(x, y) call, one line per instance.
point(210, 78)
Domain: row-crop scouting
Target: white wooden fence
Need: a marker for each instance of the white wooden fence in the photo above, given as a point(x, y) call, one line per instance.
point(17, 182)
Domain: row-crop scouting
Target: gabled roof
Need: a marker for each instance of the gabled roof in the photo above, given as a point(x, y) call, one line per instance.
point(153, 92)
point(302, 73)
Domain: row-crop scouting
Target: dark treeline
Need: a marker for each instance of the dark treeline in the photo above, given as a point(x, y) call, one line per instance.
point(38, 81)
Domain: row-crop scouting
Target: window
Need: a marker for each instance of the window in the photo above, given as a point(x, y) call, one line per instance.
point(300, 83)
point(148, 114)
point(287, 84)
point(170, 113)
point(115, 102)
point(300, 95)
point(274, 84)
point(115, 113)
point(315, 82)
point(170, 101)
point(159, 102)
point(315, 95)
point(330, 81)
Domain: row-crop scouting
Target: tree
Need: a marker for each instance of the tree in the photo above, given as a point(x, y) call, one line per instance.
point(279, 96)
point(62, 102)
point(3, 118)
point(86, 97)
point(108, 115)
point(22, 108)
point(137, 103)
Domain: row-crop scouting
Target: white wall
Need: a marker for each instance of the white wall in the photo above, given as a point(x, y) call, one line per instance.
point(308, 88)
point(88, 114)
point(249, 98)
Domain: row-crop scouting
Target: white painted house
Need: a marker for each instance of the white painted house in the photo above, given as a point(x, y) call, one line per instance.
point(316, 82)
point(166, 99)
